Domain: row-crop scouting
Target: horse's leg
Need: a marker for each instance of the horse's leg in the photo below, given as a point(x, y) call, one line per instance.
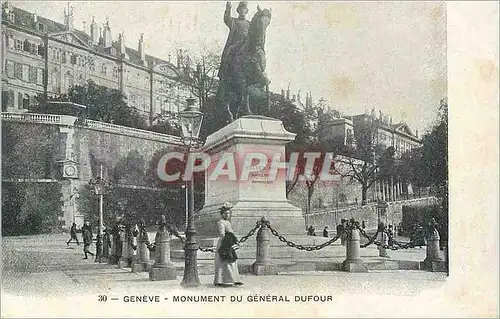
point(225, 102)
point(246, 99)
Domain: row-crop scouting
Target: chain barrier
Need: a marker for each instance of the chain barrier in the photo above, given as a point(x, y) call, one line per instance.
point(242, 239)
point(371, 240)
point(174, 232)
point(396, 245)
point(301, 247)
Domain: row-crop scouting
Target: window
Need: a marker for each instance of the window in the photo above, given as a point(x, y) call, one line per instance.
point(64, 56)
point(103, 69)
point(26, 72)
point(19, 44)
point(32, 74)
point(7, 100)
point(68, 80)
point(10, 66)
point(26, 101)
point(349, 137)
point(115, 72)
point(41, 27)
point(34, 48)
point(12, 17)
point(39, 76)
point(58, 55)
point(19, 100)
point(18, 71)
point(26, 46)
point(73, 59)
point(10, 42)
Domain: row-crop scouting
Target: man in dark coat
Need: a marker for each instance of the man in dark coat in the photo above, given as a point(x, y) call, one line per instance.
point(87, 239)
point(72, 233)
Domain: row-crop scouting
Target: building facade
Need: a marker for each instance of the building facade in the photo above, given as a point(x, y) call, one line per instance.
point(42, 56)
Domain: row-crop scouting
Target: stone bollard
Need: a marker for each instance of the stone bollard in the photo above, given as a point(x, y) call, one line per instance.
point(263, 264)
point(105, 248)
point(115, 245)
point(353, 262)
point(433, 260)
point(163, 268)
point(382, 252)
point(112, 252)
point(132, 245)
point(143, 262)
point(123, 260)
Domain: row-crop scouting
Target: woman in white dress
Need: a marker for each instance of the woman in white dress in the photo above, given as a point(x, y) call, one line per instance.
point(226, 271)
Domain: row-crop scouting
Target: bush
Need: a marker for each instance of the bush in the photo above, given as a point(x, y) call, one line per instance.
point(30, 208)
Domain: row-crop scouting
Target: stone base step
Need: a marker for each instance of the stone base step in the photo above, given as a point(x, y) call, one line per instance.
point(285, 267)
point(283, 253)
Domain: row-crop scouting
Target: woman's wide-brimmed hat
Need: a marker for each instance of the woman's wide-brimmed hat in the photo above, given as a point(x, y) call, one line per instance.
point(227, 206)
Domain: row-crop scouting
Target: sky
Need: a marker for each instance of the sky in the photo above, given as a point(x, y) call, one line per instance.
point(390, 56)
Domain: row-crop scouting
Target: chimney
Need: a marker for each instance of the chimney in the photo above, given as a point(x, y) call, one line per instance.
point(121, 43)
point(179, 58)
point(298, 96)
point(140, 48)
point(107, 35)
point(309, 100)
point(416, 132)
point(282, 93)
point(94, 32)
point(68, 18)
point(288, 93)
point(170, 57)
point(101, 38)
point(35, 18)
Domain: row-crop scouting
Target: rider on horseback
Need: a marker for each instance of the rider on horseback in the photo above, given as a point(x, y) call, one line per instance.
point(238, 31)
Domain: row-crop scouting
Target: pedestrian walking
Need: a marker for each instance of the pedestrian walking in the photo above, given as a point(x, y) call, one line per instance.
point(226, 267)
point(87, 239)
point(341, 229)
point(72, 233)
point(325, 231)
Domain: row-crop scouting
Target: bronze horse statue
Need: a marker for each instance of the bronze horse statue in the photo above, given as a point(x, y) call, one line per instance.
point(246, 69)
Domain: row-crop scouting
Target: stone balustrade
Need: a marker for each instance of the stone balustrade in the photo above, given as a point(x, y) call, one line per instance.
point(90, 124)
point(39, 118)
point(123, 130)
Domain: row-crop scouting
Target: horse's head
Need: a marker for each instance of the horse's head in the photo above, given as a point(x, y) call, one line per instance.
point(259, 23)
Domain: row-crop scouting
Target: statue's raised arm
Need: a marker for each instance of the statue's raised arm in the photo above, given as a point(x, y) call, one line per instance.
point(227, 15)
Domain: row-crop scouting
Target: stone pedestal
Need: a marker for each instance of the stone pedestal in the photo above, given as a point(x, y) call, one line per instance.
point(258, 195)
point(143, 262)
point(163, 268)
point(382, 252)
point(123, 261)
point(353, 262)
point(433, 261)
point(263, 264)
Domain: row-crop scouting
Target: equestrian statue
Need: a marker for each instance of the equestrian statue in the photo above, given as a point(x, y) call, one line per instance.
point(243, 61)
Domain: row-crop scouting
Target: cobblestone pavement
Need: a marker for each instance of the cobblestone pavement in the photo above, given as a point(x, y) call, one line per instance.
point(43, 276)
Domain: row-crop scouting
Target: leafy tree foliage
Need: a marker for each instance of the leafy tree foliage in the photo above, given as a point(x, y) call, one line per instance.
point(102, 104)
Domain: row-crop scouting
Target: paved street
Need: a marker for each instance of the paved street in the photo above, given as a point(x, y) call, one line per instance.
point(44, 277)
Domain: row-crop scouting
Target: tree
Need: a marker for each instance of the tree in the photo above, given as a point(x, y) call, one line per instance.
point(202, 80)
point(430, 165)
point(366, 161)
point(101, 104)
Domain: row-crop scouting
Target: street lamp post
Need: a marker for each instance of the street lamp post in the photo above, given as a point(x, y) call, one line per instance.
point(191, 119)
point(99, 191)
